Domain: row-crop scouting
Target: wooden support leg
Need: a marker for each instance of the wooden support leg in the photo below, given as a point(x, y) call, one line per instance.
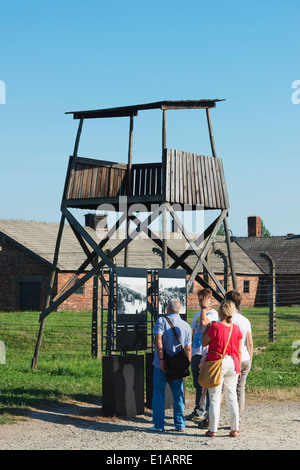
point(179, 261)
point(201, 254)
point(49, 293)
point(232, 268)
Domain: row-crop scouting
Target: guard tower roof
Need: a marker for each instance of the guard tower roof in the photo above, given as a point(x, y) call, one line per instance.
point(133, 110)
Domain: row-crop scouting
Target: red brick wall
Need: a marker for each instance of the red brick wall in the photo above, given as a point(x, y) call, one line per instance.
point(15, 263)
point(248, 299)
point(76, 301)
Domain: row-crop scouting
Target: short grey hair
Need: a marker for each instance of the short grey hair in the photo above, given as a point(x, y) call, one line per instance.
point(175, 305)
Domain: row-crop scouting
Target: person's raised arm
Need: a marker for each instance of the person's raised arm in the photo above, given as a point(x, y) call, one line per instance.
point(204, 303)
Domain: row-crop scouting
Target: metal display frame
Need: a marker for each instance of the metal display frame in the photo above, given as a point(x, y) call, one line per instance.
point(109, 308)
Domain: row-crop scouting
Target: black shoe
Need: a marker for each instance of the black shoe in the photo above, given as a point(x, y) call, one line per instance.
point(195, 415)
point(204, 424)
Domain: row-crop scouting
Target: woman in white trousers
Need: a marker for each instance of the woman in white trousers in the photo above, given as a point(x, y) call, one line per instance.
point(216, 339)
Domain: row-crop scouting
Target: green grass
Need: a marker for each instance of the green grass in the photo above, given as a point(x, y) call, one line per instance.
point(67, 371)
point(272, 366)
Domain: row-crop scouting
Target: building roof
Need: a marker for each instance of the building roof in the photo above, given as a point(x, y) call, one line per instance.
point(39, 238)
point(284, 250)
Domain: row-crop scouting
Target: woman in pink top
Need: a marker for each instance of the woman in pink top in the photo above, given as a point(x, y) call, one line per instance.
point(216, 339)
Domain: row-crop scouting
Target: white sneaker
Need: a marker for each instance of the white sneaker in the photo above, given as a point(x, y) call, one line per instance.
point(154, 428)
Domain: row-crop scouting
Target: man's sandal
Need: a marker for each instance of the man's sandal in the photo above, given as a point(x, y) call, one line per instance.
point(234, 434)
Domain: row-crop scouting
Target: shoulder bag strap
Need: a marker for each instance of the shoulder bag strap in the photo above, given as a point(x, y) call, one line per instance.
point(172, 326)
point(174, 331)
point(222, 355)
point(228, 340)
point(175, 334)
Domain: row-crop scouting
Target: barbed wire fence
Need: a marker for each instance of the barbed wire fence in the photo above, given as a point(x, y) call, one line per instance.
point(274, 312)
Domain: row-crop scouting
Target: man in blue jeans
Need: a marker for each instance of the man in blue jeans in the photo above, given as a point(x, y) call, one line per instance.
point(165, 339)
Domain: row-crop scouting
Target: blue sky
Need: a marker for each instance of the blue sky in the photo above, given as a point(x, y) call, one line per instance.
point(64, 55)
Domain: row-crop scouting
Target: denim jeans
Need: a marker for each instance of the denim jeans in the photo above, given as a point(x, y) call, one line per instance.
point(158, 400)
point(195, 372)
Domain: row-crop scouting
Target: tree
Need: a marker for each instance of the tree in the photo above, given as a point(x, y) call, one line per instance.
point(264, 232)
point(221, 230)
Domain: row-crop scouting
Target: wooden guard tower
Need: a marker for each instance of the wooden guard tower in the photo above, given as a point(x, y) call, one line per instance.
point(186, 179)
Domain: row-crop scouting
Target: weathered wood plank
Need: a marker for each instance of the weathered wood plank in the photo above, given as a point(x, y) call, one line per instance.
point(223, 184)
point(93, 181)
point(215, 167)
point(200, 181)
point(212, 182)
point(85, 182)
point(190, 179)
point(196, 180)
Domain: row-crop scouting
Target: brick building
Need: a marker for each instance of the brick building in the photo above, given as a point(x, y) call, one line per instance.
point(285, 252)
point(26, 256)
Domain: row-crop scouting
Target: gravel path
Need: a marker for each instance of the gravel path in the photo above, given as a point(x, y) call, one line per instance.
point(80, 426)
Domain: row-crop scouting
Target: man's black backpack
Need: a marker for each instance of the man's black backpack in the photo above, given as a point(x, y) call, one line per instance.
point(176, 366)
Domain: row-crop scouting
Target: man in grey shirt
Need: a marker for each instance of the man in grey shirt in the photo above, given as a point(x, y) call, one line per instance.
point(165, 339)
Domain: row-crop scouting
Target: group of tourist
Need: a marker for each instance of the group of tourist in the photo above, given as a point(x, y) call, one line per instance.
point(211, 332)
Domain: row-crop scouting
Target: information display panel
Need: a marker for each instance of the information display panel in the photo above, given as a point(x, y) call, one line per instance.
point(172, 285)
point(131, 309)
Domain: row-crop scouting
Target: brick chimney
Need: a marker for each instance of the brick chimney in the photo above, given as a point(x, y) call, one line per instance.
point(254, 226)
point(92, 220)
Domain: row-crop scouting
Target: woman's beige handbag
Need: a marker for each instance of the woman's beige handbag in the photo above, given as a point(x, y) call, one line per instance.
point(210, 373)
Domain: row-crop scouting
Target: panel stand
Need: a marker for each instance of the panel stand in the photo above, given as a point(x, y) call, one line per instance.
point(123, 385)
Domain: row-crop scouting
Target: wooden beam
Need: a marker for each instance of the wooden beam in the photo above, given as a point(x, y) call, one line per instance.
point(200, 253)
point(213, 276)
point(211, 134)
point(72, 161)
point(129, 183)
point(90, 258)
point(228, 242)
point(179, 262)
point(49, 293)
point(164, 213)
point(71, 219)
point(98, 266)
point(201, 237)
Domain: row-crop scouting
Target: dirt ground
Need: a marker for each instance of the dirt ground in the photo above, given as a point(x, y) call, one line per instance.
point(80, 426)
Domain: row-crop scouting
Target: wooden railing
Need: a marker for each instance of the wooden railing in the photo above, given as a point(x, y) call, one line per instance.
point(94, 179)
point(187, 178)
point(195, 180)
point(146, 179)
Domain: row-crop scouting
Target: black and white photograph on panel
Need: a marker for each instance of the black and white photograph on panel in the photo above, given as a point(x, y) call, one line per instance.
point(131, 326)
point(171, 285)
point(132, 293)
